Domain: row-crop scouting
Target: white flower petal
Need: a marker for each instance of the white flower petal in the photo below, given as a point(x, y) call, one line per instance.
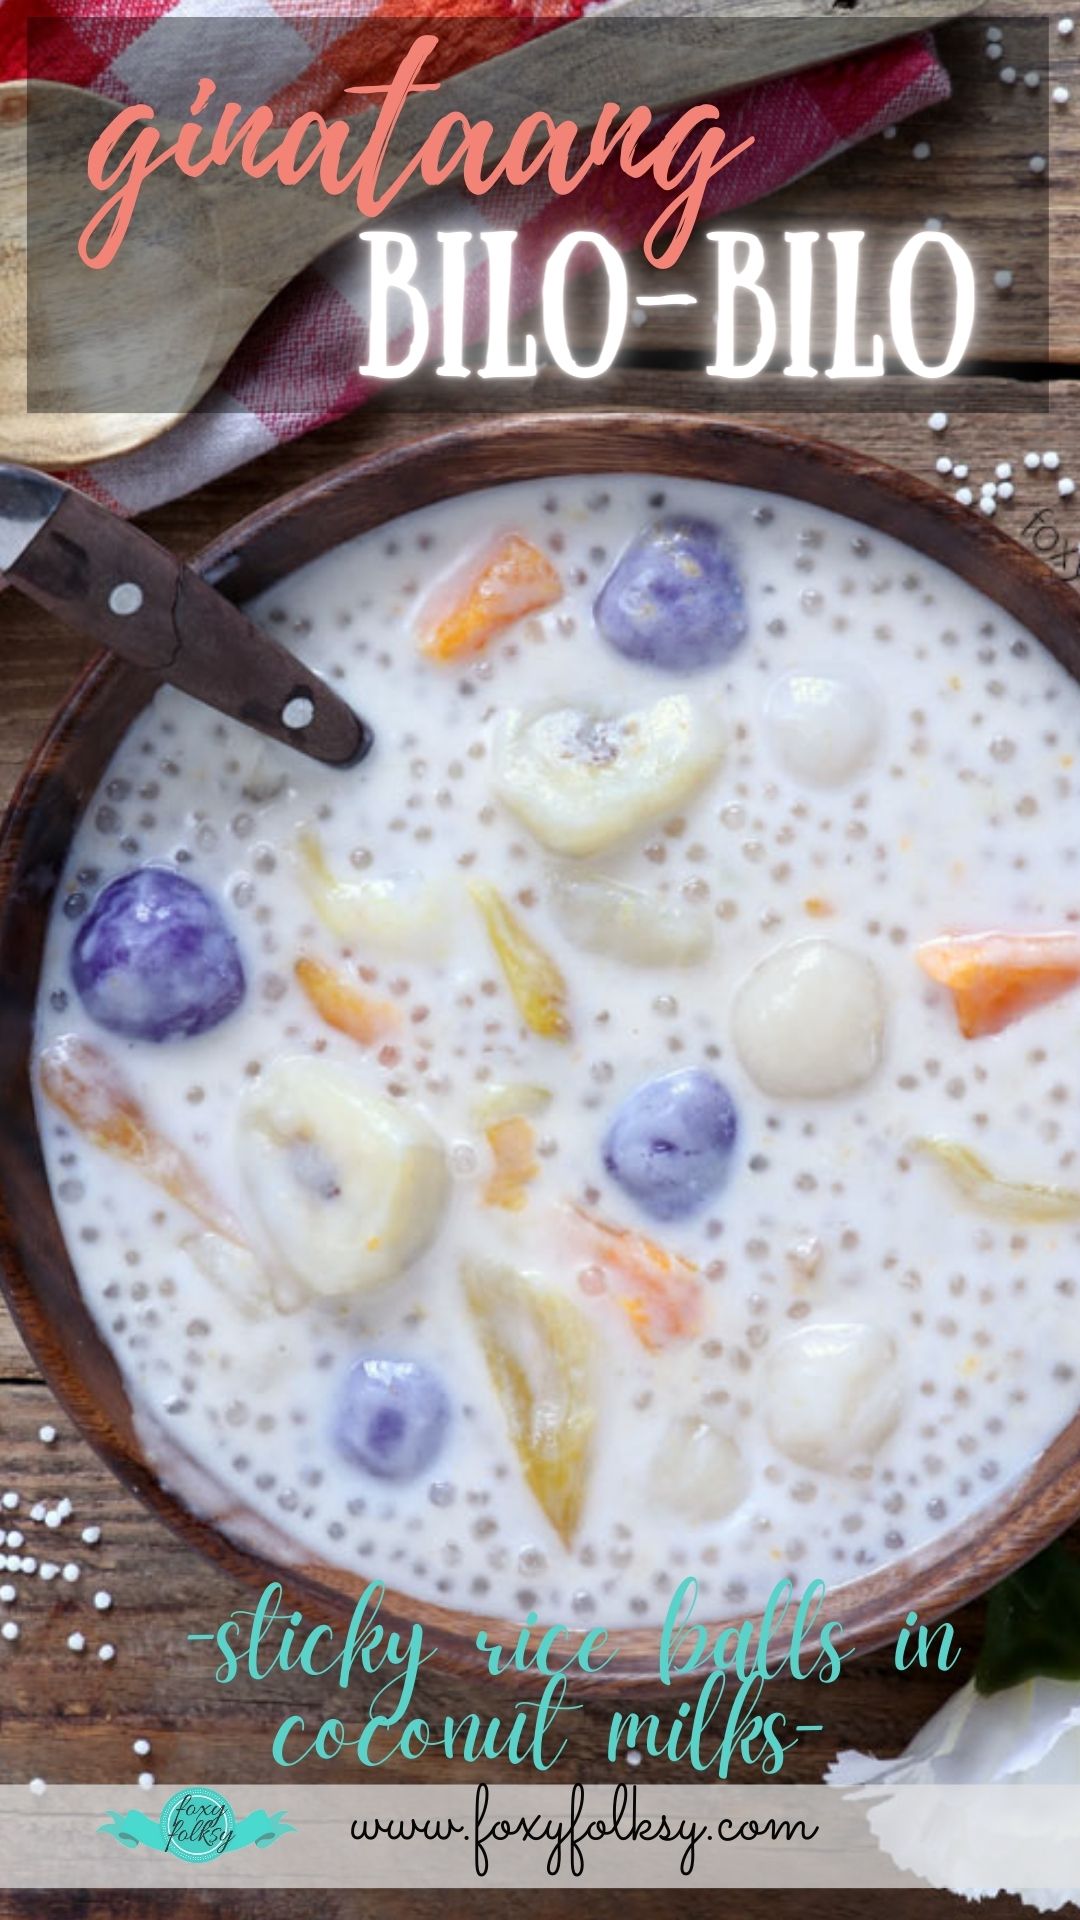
point(1025, 1735)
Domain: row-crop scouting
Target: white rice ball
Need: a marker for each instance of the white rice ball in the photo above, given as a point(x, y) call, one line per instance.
point(833, 1394)
point(823, 725)
point(809, 1020)
point(697, 1471)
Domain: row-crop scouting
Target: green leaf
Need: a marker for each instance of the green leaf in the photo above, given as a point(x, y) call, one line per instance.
point(1033, 1624)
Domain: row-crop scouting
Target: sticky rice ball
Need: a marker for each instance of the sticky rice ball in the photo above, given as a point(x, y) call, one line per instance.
point(698, 1471)
point(809, 1020)
point(833, 1394)
point(822, 725)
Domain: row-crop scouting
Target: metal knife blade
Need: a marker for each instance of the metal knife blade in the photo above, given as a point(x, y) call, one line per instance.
point(28, 501)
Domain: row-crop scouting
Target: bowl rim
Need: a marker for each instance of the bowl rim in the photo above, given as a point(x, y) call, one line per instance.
point(960, 1563)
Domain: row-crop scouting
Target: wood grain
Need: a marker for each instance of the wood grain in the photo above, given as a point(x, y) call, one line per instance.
point(976, 180)
point(206, 255)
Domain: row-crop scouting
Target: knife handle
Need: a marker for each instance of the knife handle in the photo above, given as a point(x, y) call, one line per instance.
point(111, 582)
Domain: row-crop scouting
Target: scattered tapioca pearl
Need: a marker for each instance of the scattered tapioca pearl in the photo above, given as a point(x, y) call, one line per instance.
point(37, 1511)
point(921, 150)
point(1031, 461)
point(1060, 96)
point(993, 33)
point(141, 1747)
point(987, 504)
point(1032, 79)
point(37, 1785)
point(988, 490)
point(1008, 75)
point(15, 1538)
point(1003, 470)
point(1037, 163)
point(1003, 280)
point(47, 1435)
point(11, 1563)
point(960, 471)
point(1006, 490)
point(1065, 25)
point(932, 224)
point(106, 1651)
point(889, 133)
point(91, 1536)
point(964, 495)
point(48, 1570)
point(938, 422)
point(10, 1630)
point(146, 1781)
point(9, 1500)
point(943, 463)
point(7, 1593)
point(64, 1508)
point(102, 1600)
point(70, 1571)
point(76, 1642)
point(993, 50)
point(53, 1518)
point(1051, 461)
point(28, 1564)
point(1066, 487)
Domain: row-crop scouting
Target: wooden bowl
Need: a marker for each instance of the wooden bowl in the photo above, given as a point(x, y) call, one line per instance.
point(66, 767)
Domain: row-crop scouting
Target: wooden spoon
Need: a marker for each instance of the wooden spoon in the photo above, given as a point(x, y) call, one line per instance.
point(204, 257)
point(107, 580)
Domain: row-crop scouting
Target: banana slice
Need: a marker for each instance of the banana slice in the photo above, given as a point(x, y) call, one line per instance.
point(403, 914)
point(349, 1188)
point(236, 1274)
point(510, 1100)
point(625, 923)
point(539, 1350)
point(581, 781)
point(265, 771)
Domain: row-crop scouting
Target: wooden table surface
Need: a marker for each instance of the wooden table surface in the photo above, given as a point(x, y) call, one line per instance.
point(67, 1717)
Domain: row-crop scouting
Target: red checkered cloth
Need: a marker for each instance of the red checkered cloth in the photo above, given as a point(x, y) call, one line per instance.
point(313, 337)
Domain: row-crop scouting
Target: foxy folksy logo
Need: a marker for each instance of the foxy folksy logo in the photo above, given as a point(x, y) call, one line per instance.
point(196, 1825)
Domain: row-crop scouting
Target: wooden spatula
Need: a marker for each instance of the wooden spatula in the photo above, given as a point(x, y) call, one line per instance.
point(204, 257)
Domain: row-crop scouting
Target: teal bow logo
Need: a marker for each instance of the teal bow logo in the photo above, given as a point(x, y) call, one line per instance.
point(197, 1824)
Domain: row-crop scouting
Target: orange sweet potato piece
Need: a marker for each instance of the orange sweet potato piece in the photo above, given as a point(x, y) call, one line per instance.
point(995, 978)
point(515, 578)
point(511, 1142)
point(342, 1005)
point(89, 1089)
point(662, 1294)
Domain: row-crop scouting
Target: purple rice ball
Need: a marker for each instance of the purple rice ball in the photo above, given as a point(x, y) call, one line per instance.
point(392, 1417)
point(671, 1142)
point(155, 960)
point(674, 598)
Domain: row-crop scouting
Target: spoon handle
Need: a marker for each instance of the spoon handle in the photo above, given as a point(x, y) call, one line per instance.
point(107, 580)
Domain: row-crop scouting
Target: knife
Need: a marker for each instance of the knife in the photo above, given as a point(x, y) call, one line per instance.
point(104, 578)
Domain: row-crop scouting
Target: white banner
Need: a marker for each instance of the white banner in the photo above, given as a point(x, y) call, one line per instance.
point(624, 1835)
